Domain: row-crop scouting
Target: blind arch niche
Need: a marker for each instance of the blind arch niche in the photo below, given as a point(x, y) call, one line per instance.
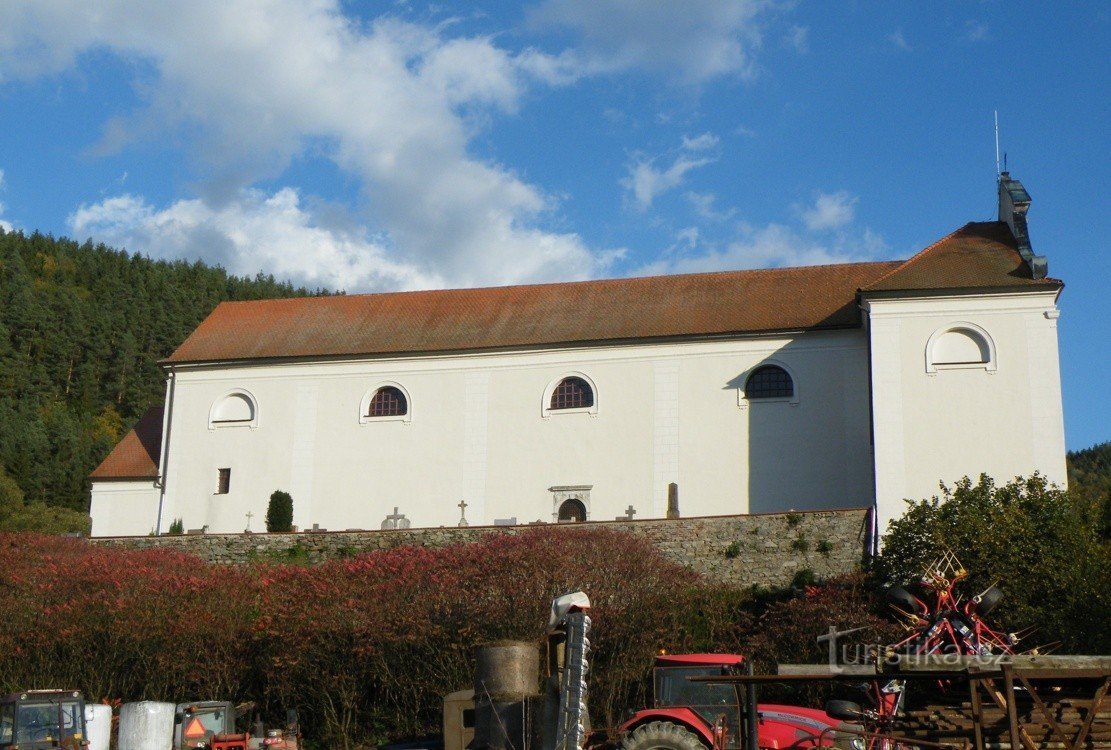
point(236, 408)
point(961, 345)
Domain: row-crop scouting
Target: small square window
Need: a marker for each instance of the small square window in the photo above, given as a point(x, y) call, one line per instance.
point(223, 482)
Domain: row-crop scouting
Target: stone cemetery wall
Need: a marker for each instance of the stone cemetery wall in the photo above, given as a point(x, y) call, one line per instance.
point(761, 550)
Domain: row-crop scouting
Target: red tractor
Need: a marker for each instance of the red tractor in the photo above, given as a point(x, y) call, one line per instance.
point(694, 715)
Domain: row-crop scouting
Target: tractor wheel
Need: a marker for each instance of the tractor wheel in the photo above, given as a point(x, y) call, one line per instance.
point(662, 735)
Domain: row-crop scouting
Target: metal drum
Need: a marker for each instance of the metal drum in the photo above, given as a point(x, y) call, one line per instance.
point(506, 671)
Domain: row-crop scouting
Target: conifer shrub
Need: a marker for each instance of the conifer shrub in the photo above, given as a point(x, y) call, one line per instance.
point(279, 513)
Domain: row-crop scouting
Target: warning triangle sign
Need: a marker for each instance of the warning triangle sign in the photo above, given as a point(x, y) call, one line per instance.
point(194, 728)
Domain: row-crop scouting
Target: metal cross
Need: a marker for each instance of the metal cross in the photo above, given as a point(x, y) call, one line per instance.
point(395, 516)
point(630, 512)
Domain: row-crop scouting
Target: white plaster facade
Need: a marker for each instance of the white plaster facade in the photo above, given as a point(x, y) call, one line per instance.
point(124, 508)
point(478, 430)
point(939, 422)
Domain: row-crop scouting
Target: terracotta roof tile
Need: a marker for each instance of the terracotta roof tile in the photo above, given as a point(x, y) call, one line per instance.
point(812, 297)
point(137, 455)
point(979, 255)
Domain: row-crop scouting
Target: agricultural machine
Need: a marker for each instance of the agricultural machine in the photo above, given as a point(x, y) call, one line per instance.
point(953, 681)
point(938, 623)
point(209, 725)
point(40, 719)
point(971, 691)
point(687, 713)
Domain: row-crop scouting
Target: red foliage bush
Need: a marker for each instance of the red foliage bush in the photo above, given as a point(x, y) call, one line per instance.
point(364, 647)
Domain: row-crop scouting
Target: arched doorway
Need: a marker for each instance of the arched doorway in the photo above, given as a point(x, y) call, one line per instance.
point(572, 510)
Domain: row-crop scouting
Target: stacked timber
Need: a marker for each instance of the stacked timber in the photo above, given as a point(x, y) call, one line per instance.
point(954, 722)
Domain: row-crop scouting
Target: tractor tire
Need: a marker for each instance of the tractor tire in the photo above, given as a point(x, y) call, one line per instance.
point(662, 735)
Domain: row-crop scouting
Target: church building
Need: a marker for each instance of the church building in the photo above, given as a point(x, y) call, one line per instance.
point(840, 386)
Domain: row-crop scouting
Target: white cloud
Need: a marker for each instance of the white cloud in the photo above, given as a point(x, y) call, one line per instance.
point(825, 234)
point(254, 231)
point(695, 40)
point(798, 39)
point(705, 206)
point(896, 37)
point(975, 31)
point(646, 181)
point(701, 142)
point(830, 211)
point(773, 245)
point(251, 85)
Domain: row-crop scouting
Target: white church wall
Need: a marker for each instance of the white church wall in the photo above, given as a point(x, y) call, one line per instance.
point(940, 414)
point(123, 508)
point(477, 431)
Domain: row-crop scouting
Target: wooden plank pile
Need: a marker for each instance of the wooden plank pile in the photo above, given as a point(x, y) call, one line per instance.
point(954, 722)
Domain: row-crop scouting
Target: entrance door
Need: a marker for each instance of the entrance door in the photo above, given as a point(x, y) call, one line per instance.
point(572, 510)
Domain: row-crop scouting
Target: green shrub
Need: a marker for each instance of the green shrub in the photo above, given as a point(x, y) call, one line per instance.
point(279, 513)
point(176, 527)
point(1039, 542)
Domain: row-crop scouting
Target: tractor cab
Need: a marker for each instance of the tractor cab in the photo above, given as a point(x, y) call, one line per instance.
point(41, 719)
point(202, 724)
point(695, 714)
point(673, 689)
point(690, 714)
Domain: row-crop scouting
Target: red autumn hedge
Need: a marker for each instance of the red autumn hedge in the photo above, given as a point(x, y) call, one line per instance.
point(364, 647)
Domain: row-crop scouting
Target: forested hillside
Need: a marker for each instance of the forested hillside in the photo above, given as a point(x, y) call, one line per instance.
point(1090, 477)
point(81, 330)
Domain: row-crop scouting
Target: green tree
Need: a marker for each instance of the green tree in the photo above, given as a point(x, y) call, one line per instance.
point(1040, 543)
point(18, 515)
point(82, 328)
point(1090, 479)
point(279, 514)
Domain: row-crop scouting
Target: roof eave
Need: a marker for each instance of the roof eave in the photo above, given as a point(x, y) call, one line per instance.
point(1052, 285)
point(149, 478)
point(726, 335)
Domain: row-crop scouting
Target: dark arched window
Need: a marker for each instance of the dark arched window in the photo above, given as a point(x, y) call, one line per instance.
point(572, 393)
point(769, 381)
point(388, 401)
point(572, 510)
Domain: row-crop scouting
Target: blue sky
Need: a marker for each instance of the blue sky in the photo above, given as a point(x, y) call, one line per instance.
point(374, 146)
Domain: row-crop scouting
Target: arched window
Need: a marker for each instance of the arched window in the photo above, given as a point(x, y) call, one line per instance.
point(769, 381)
point(960, 346)
point(572, 510)
point(388, 401)
point(234, 409)
point(572, 393)
point(385, 402)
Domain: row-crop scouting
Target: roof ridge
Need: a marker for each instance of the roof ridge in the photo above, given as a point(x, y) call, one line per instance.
point(549, 284)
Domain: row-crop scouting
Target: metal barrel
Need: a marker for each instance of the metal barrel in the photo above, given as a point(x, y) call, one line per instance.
point(506, 671)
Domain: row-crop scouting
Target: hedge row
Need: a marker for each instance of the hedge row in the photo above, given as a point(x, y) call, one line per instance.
point(366, 647)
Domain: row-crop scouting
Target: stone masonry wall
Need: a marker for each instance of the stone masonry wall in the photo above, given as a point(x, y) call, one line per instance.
point(765, 550)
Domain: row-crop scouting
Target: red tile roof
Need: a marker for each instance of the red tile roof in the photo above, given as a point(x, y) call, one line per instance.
point(137, 455)
point(979, 255)
point(704, 304)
